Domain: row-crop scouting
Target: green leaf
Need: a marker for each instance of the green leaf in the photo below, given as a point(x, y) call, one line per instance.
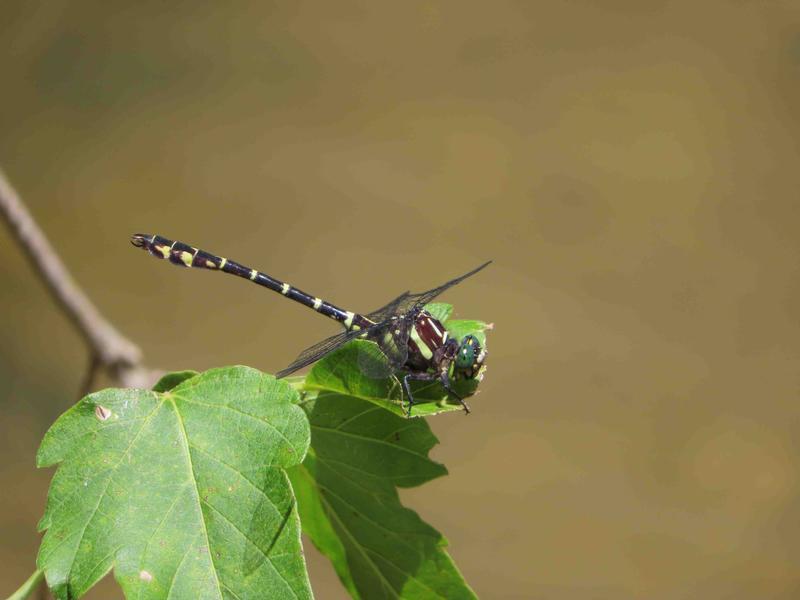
point(170, 380)
point(349, 506)
point(343, 372)
point(183, 493)
point(458, 328)
point(440, 310)
point(347, 486)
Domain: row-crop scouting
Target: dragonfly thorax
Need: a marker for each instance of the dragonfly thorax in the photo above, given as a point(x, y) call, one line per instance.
point(427, 342)
point(431, 348)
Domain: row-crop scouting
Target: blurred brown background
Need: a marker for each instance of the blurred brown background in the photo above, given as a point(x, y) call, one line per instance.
point(632, 168)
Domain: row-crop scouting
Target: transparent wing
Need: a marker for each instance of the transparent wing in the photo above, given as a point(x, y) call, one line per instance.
point(392, 338)
point(407, 301)
point(400, 305)
point(314, 353)
point(424, 298)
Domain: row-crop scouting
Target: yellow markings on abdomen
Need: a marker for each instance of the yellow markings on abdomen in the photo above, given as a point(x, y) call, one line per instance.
point(162, 250)
point(187, 257)
point(253, 274)
point(317, 303)
point(285, 288)
point(210, 264)
point(348, 322)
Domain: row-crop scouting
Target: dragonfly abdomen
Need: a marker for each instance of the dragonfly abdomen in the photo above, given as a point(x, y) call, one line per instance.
point(184, 255)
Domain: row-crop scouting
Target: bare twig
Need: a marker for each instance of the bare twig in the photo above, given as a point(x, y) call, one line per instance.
point(108, 347)
point(90, 376)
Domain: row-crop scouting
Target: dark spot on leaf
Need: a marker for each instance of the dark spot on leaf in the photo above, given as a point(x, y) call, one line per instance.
point(101, 412)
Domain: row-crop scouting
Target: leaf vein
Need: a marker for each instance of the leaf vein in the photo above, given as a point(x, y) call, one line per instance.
point(232, 593)
point(370, 440)
point(185, 439)
point(100, 563)
point(239, 473)
point(153, 535)
point(384, 582)
point(396, 534)
point(357, 415)
point(108, 482)
point(408, 576)
point(251, 542)
point(177, 569)
point(246, 414)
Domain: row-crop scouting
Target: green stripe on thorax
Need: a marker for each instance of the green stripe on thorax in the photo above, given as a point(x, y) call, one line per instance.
point(426, 352)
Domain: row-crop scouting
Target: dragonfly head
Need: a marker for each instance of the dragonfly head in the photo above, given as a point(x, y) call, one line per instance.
point(469, 358)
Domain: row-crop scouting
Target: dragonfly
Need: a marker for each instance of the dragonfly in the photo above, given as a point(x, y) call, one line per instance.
point(415, 344)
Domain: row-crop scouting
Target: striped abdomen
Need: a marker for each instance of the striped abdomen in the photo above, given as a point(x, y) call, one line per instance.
point(185, 255)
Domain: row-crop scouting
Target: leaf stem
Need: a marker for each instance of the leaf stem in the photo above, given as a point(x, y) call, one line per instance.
point(27, 588)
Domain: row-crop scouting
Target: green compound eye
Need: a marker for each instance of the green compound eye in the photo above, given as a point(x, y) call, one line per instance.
point(469, 354)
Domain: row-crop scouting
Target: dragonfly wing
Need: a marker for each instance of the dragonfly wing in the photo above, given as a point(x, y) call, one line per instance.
point(392, 338)
point(399, 353)
point(314, 353)
point(407, 301)
point(400, 305)
point(423, 298)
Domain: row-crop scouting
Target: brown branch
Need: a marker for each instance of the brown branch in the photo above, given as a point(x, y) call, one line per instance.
point(108, 347)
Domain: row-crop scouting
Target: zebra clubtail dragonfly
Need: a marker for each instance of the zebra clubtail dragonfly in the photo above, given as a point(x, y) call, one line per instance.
point(416, 344)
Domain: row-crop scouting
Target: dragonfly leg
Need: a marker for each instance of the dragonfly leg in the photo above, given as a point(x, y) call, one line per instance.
point(414, 377)
point(446, 385)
